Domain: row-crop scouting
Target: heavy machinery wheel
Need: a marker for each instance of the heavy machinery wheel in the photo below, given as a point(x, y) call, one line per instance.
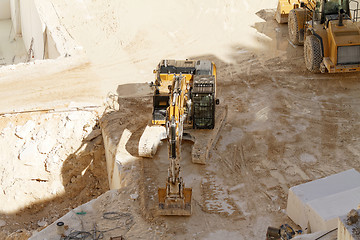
point(312, 54)
point(293, 29)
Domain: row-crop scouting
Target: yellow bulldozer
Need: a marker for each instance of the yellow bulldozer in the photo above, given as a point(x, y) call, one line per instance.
point(330, 33)
point(184, 98)
point(284, 7)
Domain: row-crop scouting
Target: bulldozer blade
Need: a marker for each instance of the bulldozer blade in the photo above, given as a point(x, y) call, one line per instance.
point(175, 206)
point(283, 9)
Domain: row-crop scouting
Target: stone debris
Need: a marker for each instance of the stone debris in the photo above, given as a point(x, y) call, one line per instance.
point(42, 223)
point(24, 131)
point(352, 217)
point(47, 145)
point(30, 155)
point(134, 196)
point(150, 140)
point(36, 152)
point(94, 134)
point(2, 223)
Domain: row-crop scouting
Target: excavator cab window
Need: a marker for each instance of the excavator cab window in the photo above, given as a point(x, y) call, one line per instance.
point(332, 7)
point(203, 72)
point(167, 69)
point(160, 104)
point(177, 70)
point(204, 67)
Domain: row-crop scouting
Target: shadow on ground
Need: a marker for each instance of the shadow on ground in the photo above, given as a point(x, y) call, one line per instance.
point(84, 178)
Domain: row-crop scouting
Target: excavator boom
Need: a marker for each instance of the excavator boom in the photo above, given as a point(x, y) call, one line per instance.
point(175, 199)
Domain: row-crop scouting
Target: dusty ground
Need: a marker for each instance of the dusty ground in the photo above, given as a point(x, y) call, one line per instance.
point(285, 126)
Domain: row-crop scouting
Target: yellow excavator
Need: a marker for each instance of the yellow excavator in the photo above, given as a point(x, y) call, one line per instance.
point(184, 98)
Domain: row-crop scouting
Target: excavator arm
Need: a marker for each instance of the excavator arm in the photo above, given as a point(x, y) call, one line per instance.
point(175, 199)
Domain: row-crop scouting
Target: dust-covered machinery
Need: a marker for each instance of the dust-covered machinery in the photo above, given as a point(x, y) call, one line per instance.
point(284, 8)
point(198, 78)
point(329, 31)
point(184, 98)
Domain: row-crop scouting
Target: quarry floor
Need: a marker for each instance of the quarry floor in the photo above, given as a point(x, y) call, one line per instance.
point(285, 126)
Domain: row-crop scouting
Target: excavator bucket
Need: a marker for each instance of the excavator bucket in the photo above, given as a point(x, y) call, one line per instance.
point(175, 206)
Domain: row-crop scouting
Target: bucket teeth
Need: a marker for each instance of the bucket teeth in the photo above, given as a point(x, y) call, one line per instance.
point(179, 206)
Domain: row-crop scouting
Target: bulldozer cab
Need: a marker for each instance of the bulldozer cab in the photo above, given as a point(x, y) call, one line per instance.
point(327, 10)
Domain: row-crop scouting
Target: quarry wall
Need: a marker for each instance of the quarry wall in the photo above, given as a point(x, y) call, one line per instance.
point(53, 48)
point(4, 9)
point(32, 29)
point(36, 21)
point(15, 17)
